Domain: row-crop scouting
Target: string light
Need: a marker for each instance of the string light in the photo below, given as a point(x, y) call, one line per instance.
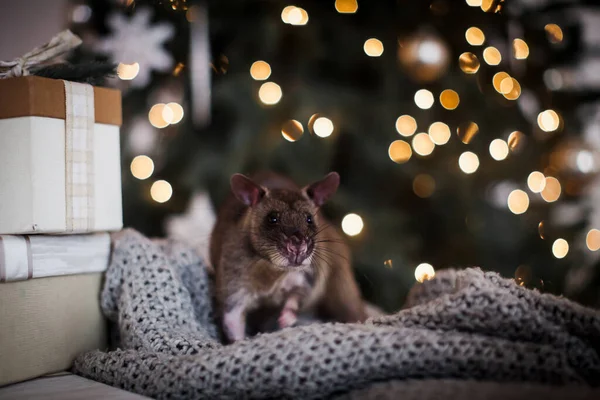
point(474, 36)
point(142, 167)
point(422, 144)
point(373, 47)
point(548, 120)
point(449, 99)
point(439, 133)
point(352, 224)
point(467, 131)
point(592, 240)
point(424, 272)
point(520, 48)
point(536, 181)
point(128, 72)
point(423, 185)
point(323, 127)
point(552, 189)
point(270, 93)
point(492, 56)
point(424, 99)
point(292, 130)
point(560, 248)
point(468, 162)
point(260, 70)
point(161, 191)
point(399, 151)
point(346, 6)
point(406, 125)
point(468, 63)
point(554, 33)
point(498, 149)
point(518, 201)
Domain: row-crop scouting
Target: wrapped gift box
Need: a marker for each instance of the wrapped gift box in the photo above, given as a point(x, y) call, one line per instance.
point(60, 168)
point(37, 256)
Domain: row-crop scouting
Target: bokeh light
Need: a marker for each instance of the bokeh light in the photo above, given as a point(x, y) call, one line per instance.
point(156, 115)
point(352, 224)
point(176, 114)
point(536, 181)
point(552, 189)
point(474, 3)
point(424, 99)
point(542, 230)
point(127, 72)
point(467, 131)
point(492, 55)
point(515, 89)
point(498, 78)
point(516, 141)
point(346, 6)
point(468, 63)
point(260, 70)
point(520, 49)
point(439, 133)
point(161, 191)
point(270, 93)
point(554, 33)
point(323, 127)
point(399, 151)
point(424, 272)
point(498, 149)
point(406, 125)
point(560, 248)
point(292, 130)
point(423, 185)
point(475, 36)
point(142, 167)
point(373, 47)
point(592, 240)
point(422, 144)
point(548, 120)
point(518, 201)
point(295, 16)
point(449, 99)
point(468, 162)
point(285, 14)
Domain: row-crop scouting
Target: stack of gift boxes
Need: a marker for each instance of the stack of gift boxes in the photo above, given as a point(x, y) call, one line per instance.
point(60, 197)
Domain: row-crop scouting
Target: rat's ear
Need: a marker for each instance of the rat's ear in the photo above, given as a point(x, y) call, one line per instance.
point(319, 192)
point(246, 190)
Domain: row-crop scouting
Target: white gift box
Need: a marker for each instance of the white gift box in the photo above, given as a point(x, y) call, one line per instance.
point(60, 167)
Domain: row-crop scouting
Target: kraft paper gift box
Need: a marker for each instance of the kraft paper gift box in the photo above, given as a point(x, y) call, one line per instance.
point(60, 168)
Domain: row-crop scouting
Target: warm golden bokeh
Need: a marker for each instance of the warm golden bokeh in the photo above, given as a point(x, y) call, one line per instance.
point(492, 56)
point(474, 3)
point(469, 63)
point(439, 133)
point(157, 115)
point(541, 230)
point(292, 130)
point(424, 99)
point(399, 151)
point(552, 189)
point(352, 224)
point(592, 240)
point(518, 201)
point(323, 127)
point(498, 149)
point(406, 125)
point(127, 72)
point(142, 167)
point(474, 36)
point(260, 70)
point(422, 144)
point(515, 91)
point(520, 49)
point(373, 47)
point(161, 191)
point(554, 33)
point(468, 162)
point(285, 14)
point(536, 181)
point(449, 99)
point(507, 85)
point(516, 141)
point(498, 78)
point(270, 93)
point(423, 185)
point(176, 112)
point(346, 6)
point(560, 248)
point(467, 131)
point(548, 120)
point(424, 272)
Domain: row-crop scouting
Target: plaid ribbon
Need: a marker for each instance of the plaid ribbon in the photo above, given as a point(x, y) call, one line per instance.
point(79, 156)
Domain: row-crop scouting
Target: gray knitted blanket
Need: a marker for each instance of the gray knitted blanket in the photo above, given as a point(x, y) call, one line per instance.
point(465, 324)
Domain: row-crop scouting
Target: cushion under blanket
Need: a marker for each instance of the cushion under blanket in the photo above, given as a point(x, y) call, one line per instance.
point(463, 324)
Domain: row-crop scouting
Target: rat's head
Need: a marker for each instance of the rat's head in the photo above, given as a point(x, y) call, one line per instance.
point(283, 224)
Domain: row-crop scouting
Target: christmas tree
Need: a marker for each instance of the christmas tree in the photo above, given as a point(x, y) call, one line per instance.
point(465, 133)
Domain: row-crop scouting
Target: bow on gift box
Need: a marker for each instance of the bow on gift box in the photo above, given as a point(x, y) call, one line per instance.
point(59, 45)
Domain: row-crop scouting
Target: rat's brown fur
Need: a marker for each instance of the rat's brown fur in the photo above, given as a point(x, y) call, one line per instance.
point(250, 274)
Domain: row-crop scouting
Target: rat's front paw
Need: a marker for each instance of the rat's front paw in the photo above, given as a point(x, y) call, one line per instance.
point(234, 327)
point(287, 318)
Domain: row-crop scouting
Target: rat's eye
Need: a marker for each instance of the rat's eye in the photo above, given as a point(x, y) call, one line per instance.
point(272, 218)
point(309, 219)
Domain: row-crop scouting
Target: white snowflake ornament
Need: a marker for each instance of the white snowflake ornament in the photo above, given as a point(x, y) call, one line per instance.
point(137, 40)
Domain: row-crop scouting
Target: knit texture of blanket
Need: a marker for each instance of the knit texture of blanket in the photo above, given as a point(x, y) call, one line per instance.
point(463, 324)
